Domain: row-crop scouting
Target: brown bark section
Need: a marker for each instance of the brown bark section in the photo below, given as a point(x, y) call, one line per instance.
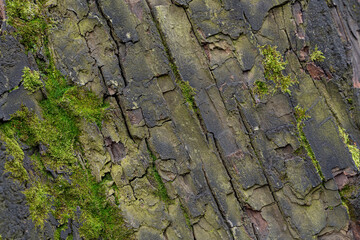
point(2, 10)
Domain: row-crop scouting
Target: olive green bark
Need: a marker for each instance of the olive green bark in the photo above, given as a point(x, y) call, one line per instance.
point(187, 149)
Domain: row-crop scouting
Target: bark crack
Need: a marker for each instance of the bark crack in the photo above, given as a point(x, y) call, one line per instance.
point(112, 34)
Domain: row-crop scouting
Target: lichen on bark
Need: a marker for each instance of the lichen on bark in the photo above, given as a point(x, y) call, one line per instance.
point(176, 77)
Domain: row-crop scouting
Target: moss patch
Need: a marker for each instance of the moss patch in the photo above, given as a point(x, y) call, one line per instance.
point(40, 199)
point(261, 88)
point(31, 80)
point(30, 20)
point(84, 104)
point(317, 55)
point(59, 184)
point(186, 215)
point(187, 91)
point(301, 116)
point(74, 189)
point(14, 163)
point(274, 65)
point(354, 150)
point(347, 193)
point(161, 191)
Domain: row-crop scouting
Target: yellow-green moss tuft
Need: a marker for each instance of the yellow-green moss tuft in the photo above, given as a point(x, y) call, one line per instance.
point(274, 65)
point(317, 55)
point(39, 200)
point(354, 150)
point(31, 80)
point(14, 164)
point(161, 191)
point(301, 116)
point(30, 21)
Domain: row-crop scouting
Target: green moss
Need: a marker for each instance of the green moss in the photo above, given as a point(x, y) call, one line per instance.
point(74, 193)
point(187, 91)
point(317, 55)
point(301, 116)
point(261, 88)
point(39, 200)
point(31, 80)
point(274, 65)
point(345, 204)
point(348, 192)
point(30, 21)
point(57, 233)
point(58, 139)
point(84, 104)
point(77, 102)
point(58, 131)
point(186, 215)
point(14, 164)
point(15, 88)
point(161, 191)
point(99, 218)
point(78, 191)
point(354, 150)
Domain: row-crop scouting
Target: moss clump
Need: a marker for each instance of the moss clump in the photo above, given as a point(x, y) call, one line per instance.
point(31, 80)
point(73, 193)
point(61, 111)
point(274, 65)
point(101, 219)
point(187, 91)
point(354, 150)
point(40, 202)
point(317, 55)
point(301, 116)
point(30, 21)
point(70, 192)
point(58, 139)
point(57, 233)
point(347, 193)
point(14, 164)
point(161, 191)
point(261, 88)
point(84, 104)
point(77, 190)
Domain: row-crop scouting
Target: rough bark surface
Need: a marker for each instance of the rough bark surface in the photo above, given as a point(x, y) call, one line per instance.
point(233, 166)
